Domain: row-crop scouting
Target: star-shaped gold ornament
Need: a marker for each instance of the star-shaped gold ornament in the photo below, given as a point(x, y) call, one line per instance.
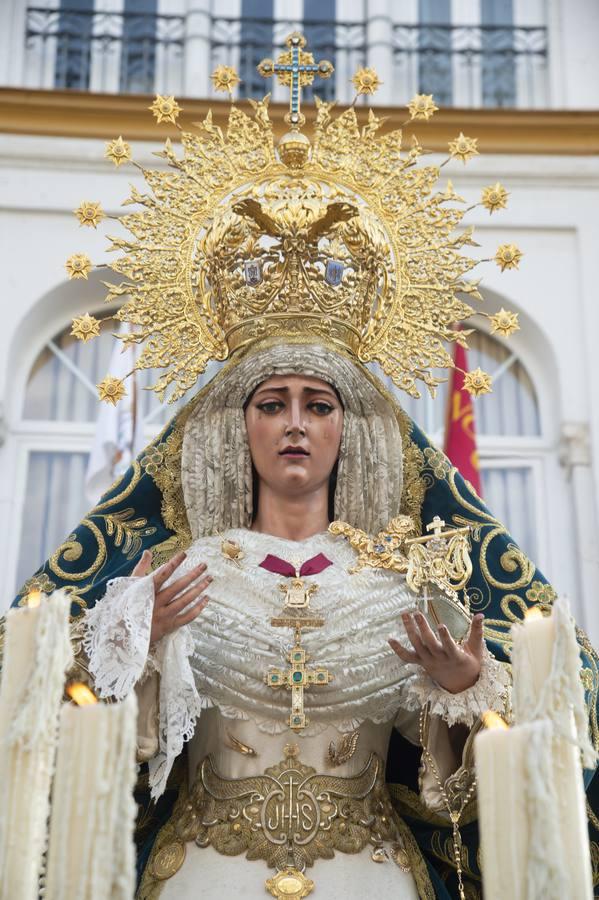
point(477, 382)
point(111, 390)
point(494, 197)
point(85, 327)
point(463, 148)
point(79, 265)
point(118, 151)
point(504, 322)
point(90, 214)
point(225, 78)
point(422, 106)
point(508, 256)
point(366, 81)
point(166, 109)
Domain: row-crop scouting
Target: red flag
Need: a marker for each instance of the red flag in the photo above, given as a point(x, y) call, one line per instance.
point(460, 433)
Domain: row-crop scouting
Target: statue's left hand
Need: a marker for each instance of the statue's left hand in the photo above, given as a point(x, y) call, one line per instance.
point(455, 667)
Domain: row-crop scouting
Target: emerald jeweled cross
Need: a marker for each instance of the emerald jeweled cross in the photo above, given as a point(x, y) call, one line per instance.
point(297, 678)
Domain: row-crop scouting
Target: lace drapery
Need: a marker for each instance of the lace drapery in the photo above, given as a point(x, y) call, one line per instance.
point(220, 659)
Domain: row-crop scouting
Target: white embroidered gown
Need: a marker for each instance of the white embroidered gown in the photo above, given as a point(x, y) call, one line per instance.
point(212, 689)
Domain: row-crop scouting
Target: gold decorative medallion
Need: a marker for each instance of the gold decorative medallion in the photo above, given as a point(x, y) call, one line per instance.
point(168, 860)
point(400, 857)
point(290, 884)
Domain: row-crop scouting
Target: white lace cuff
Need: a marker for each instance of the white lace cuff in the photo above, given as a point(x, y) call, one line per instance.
point(489, 692)
point(117, 643)
point(117, 635)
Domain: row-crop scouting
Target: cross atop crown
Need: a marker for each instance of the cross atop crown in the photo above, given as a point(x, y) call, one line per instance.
point(295, 69)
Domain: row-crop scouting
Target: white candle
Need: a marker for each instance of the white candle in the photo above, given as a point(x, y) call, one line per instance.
point(517, 810)
point(534, 839)
point(91, 853)
point(503, 822)
point(546, 674)
point(37, 653)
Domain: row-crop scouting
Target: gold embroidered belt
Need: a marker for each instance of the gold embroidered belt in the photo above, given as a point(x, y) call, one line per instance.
point(289, 816)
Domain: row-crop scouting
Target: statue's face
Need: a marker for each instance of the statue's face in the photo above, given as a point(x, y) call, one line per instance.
point(294, 426)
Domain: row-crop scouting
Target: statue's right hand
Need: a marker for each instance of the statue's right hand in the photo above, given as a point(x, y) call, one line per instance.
point(179, 603)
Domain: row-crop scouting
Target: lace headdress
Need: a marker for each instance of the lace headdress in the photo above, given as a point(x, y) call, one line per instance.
point(216, 468)
point(343, 238)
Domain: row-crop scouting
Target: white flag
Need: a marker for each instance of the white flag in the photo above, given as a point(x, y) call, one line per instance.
point(119, 429)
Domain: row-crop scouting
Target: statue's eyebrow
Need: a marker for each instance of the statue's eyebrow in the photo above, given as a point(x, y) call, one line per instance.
point(306, 390)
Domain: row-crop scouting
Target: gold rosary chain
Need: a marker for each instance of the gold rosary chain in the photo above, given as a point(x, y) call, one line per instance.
point(453, 814)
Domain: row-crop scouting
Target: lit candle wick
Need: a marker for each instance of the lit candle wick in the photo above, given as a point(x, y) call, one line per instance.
point(34, 598)
point(493, 720)
point(81, 694)
point(533, 613)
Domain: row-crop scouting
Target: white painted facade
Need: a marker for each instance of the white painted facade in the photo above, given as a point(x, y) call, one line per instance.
point(552, 216)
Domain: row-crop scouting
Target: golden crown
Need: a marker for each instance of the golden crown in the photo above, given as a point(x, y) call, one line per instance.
point(344, 238)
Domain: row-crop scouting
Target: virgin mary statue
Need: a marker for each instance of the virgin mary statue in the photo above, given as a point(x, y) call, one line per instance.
point(308, 697)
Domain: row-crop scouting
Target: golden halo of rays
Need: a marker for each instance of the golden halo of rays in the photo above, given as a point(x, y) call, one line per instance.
point(426, 276)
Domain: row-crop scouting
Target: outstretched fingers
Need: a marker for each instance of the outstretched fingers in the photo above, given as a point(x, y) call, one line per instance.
point(408, 656)
point(169, 594)
point(475, 642)
point(414, 634)
point(143, 566)
point(182, 600)
point(164, 572)
point(192, 611)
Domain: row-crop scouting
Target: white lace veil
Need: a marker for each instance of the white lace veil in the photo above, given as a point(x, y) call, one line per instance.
point(216, 467)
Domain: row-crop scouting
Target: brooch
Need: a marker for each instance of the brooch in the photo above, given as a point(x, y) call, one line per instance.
point(231, 550)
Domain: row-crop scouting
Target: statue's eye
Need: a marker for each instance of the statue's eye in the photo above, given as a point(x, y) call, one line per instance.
point(270, 406)
point(321, 408)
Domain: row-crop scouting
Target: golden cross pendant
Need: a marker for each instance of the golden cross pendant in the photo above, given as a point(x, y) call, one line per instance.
point(297, 679)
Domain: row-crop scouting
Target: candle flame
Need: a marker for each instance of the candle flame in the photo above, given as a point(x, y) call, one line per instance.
point(533, 613)
point(493, 720)
point(34, 598)
point(81, 694)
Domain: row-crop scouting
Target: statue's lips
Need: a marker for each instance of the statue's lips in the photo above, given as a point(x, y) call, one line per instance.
point(294, 451)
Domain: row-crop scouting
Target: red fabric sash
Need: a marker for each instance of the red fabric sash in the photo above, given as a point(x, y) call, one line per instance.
point(313, 566)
